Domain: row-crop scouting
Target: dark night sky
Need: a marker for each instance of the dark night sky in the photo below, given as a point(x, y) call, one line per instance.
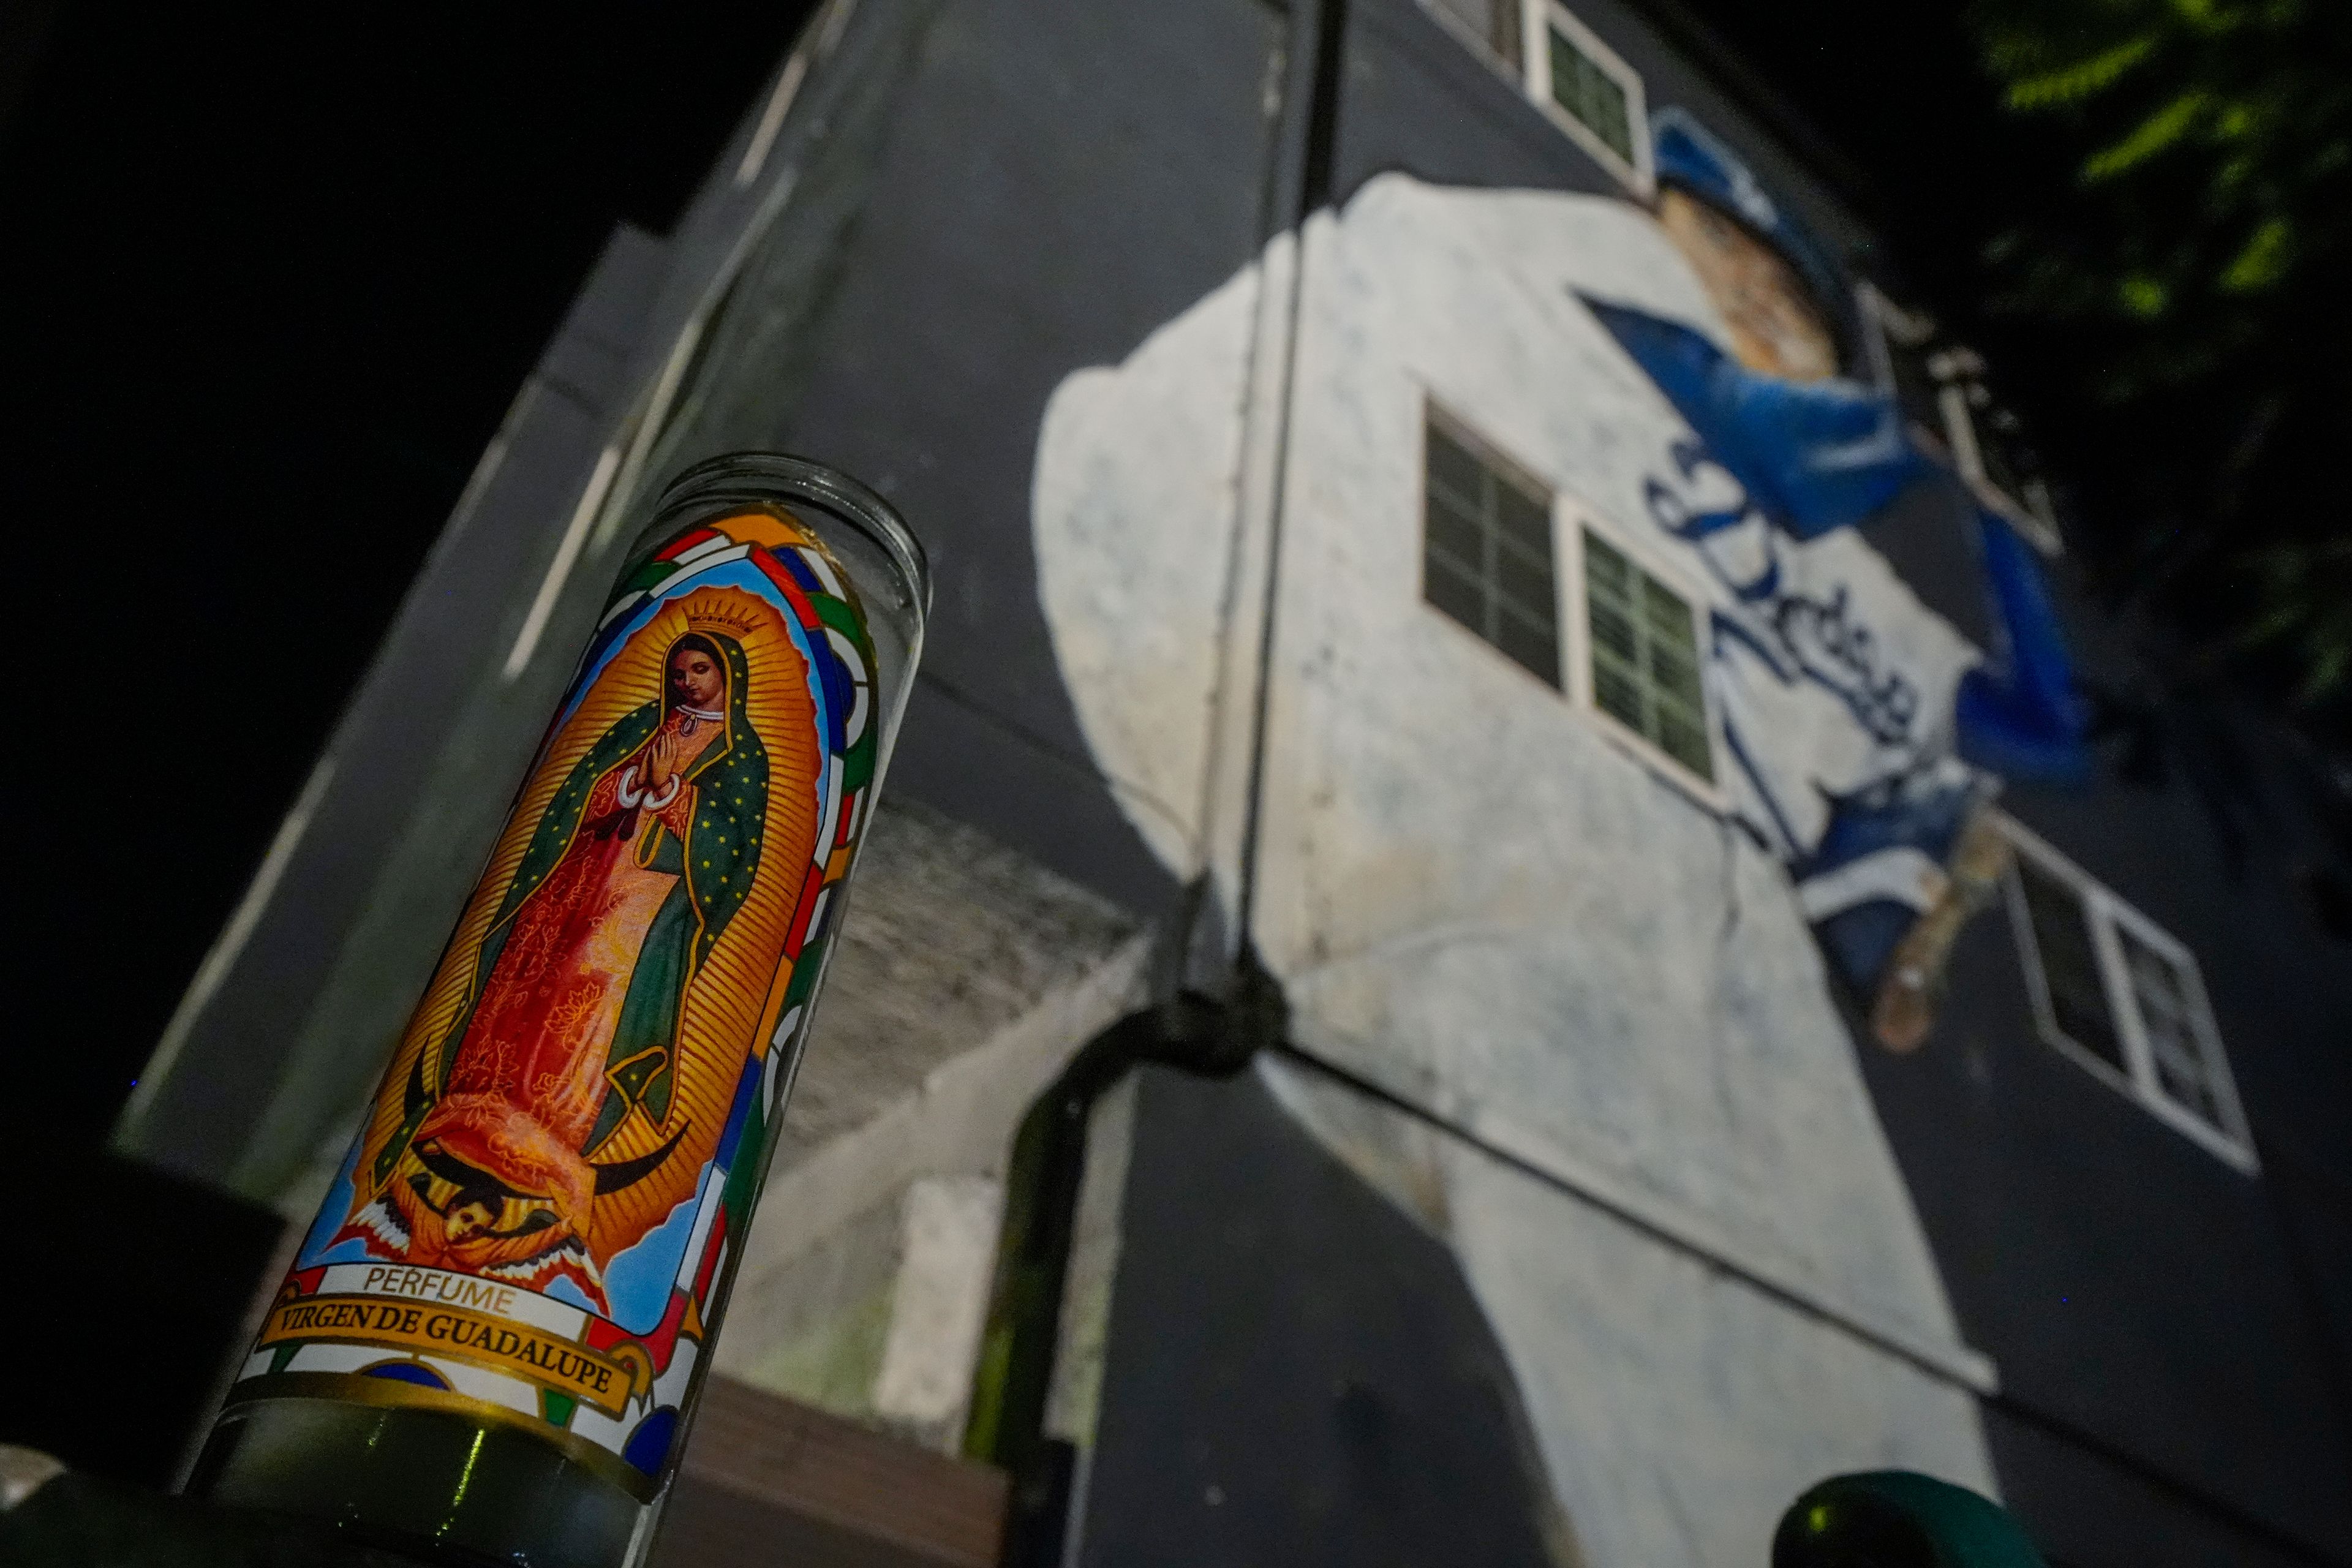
point(275, 285)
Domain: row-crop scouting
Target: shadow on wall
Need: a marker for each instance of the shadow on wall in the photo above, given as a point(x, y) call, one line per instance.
point(1299, 1374)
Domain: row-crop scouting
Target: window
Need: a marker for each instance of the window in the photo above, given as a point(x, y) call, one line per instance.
point(1487, 561)
point(1896, 343)
point(2170, 1013)
point(1494, 26)
point(1941, 390)
point(2112, 990)
point(1992, 455)
point(1569, 72)
point(1642, 651)
point(1486, 552)
point(1589, 93)
point(2002, 457)
point(1594, 95)
point(2073, 989)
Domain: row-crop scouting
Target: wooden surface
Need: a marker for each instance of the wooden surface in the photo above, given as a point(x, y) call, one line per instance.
point(769, 1481)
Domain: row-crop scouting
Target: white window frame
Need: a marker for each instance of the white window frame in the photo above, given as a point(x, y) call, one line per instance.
point(1477, 42)
point(2107, 916)
point(2031, 514)
point(1536, 17)
point(1884, 325)
point(1570, 518)
point(1958, 373)
point(1572, 616)
point(1533, 76)
point(1466, 435)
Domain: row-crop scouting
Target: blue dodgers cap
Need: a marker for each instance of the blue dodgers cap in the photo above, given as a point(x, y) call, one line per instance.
point(1688, 154)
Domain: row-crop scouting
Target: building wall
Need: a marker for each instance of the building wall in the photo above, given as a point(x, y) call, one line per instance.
point(1479, 897)
point(965, 979)
point(1578, 1204)
point(1487, 912)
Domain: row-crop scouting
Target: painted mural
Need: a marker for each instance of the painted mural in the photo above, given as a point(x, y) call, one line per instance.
point(1797, 451)
point(1596, 1017)
point(1482, 894)
point(532, 1219)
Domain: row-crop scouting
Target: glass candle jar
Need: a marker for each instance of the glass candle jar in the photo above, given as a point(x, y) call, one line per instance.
point(492, 1341)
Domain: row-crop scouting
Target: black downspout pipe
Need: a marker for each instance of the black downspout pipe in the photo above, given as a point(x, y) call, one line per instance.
point(1192, 1033)
point(1211, 1036)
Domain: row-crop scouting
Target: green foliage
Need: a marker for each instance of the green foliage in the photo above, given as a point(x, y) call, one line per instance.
point(2141, 295)
point(2265, 259)
point(2034, 88)
point(2163, 129)
point(2188, 281)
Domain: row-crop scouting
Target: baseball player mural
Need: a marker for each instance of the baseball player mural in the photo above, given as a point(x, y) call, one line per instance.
point(1862, 738)
point(1896, 852)
point(1620, 952)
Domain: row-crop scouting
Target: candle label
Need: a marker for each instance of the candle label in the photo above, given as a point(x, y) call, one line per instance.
point(532, 1221)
